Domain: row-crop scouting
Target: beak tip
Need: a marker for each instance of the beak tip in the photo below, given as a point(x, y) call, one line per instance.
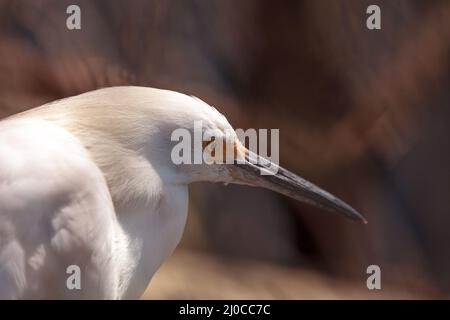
point(359, 217)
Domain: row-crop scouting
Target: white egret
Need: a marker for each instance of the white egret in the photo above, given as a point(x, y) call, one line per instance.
point(88, 181)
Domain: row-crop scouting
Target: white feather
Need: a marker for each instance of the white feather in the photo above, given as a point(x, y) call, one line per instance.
point(88, 181)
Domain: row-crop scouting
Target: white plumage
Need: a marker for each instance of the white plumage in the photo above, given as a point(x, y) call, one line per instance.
point(88, 181)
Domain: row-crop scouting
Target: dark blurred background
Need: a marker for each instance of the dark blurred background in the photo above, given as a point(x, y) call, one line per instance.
point(363, 113)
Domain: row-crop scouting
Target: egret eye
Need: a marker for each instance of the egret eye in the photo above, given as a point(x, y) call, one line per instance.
point(207, 145)
point(211, 148)
point(210, 153)
point(219, 151)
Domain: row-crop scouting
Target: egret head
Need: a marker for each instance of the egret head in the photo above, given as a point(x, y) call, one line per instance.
point(177, 139)
point(207, 148)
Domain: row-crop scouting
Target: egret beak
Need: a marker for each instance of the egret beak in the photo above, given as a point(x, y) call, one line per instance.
point(257, 171)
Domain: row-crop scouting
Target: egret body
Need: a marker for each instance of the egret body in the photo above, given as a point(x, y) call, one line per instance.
point(88, 181)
